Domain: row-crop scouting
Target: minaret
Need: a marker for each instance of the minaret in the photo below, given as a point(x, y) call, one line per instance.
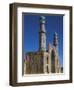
point(42, 35)
point(55, 41)
point(56, 57)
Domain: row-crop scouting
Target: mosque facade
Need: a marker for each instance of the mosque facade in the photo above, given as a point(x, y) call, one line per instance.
point(44, 60)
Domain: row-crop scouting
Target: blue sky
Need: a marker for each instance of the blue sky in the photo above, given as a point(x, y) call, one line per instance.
point(32, 28)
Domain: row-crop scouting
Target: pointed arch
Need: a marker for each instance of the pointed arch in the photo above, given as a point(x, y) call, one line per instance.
point(52, 61)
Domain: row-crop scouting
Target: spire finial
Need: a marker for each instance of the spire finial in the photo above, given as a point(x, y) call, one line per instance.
point(55, 41)
point(42, 19)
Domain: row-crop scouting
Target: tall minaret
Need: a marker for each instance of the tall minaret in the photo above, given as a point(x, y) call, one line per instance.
point(42, 34)
point(55, 41)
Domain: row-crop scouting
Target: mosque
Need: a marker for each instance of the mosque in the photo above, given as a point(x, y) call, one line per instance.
point(44, 60)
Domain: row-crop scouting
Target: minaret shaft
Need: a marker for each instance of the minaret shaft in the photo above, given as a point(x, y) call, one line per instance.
point(42, 35)
point(42, 27)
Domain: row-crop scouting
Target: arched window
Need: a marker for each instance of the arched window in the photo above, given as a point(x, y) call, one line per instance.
point(53, 61)
point(47, 60)
point(47, 69)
